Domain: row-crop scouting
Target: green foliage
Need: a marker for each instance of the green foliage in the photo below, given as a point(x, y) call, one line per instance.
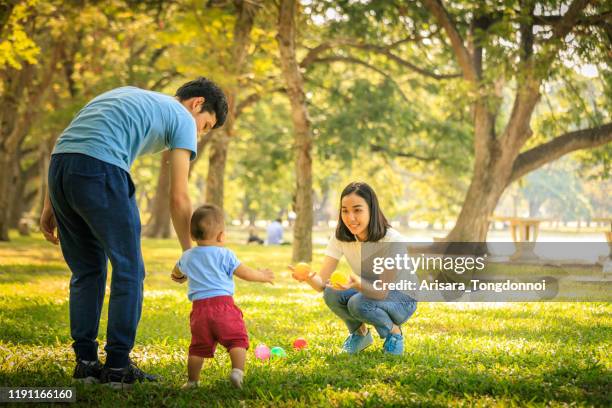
point(408, 134)
point(558, 189)
point(17, 47)
point(262, 162)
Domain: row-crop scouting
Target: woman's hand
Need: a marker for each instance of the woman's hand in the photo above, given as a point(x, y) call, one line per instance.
point(353, 283)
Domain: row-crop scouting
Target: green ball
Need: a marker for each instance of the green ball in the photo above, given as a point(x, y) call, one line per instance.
point(278, 352)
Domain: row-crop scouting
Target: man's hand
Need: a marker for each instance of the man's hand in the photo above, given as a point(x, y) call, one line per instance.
point(48, 225)
point(178, 276)
point(178, 280)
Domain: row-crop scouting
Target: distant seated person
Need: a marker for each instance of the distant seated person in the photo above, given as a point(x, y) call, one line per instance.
point(275, 232)
point(253, 237)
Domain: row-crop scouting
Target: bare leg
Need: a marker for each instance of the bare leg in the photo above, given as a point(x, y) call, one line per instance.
point(396, 329)
point(194, 366)
point(363, 329)
point(238, 356)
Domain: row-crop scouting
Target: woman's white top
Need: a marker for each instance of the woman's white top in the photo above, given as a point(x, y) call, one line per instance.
point(352, 250)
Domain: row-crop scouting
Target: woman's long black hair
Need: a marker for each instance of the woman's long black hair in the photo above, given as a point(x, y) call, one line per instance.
point(377, 228)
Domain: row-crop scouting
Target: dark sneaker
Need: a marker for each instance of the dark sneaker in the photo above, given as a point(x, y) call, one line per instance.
point(87, 373)
point(125, 377)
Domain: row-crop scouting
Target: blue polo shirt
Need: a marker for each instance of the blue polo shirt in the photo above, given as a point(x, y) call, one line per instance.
point(124, 123)
point(209, 270)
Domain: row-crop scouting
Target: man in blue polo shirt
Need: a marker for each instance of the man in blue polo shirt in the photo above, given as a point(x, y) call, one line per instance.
point(92, 203)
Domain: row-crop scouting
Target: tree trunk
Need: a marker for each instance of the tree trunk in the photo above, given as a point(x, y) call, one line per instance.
point(7, 190)
point(216, 167)
point(245, 18)
point(6, 8)
point(492, 172)
point(302, 230)
point(159, 223)
point(506, 165)
point(23, 201)
point(13, 87)
point(497, 160)
point(24, 92)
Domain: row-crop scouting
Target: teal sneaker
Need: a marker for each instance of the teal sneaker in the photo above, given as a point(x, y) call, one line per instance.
point(354, 343)
point(394, 344)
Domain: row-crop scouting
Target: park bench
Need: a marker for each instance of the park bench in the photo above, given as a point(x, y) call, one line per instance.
point(524, 235)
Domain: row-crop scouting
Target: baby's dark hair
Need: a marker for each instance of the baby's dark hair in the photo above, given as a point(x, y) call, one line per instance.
point(206, 222)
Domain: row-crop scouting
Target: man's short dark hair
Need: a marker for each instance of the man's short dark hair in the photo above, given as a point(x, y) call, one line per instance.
point(214, 98)
point(206, 222)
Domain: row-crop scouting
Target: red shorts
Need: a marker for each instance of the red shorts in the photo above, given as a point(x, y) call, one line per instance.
point(216, 320)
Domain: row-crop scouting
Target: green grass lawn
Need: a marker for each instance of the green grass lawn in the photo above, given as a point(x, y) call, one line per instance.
point(512, 354)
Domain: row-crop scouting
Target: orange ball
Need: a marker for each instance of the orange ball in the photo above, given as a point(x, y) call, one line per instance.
point(302, 271)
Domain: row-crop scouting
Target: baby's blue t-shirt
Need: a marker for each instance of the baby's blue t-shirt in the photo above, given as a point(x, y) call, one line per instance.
point(210, 271)
point(124, 123)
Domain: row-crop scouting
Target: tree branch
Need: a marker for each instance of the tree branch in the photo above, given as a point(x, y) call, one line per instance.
point(365, 64)
point(594, 20)
point(6, 9)
point(156, 55)
point(164, 80)
point(378, 148)
point(463, 56)
point(526, 30)
point(402, 62)
point(313, 53)
point(251, 99)
point(313, 56)
point(559, 146)
point(565, 24)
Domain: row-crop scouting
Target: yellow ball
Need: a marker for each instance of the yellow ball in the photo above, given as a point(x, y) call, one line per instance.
point(339, 279)
point(302, 270)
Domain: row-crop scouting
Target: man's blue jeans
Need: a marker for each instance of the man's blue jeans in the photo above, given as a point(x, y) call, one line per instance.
point(355, 309)
point(97, 219)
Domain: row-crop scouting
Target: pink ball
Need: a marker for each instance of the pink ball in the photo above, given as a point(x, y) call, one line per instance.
point(262, 352)
point(300, 343)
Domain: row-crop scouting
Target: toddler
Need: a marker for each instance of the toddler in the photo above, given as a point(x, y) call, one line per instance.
point(209, 268)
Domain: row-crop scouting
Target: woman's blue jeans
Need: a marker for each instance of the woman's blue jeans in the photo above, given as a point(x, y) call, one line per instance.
point(355, 309)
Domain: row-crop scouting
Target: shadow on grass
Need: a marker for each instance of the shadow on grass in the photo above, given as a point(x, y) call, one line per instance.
point(35, 323)
point(30, 273)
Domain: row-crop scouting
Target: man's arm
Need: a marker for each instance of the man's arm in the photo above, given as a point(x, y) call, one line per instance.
point(180, 204)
